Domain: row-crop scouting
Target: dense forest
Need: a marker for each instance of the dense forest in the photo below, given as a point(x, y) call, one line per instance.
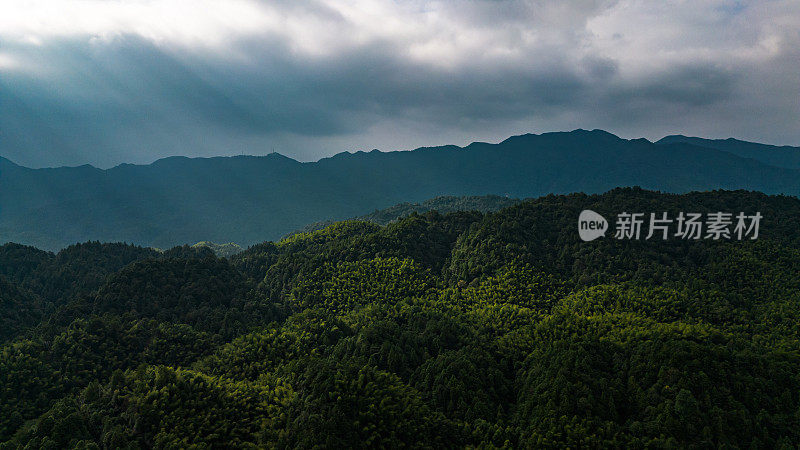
point(468, 329)
point(443, 204)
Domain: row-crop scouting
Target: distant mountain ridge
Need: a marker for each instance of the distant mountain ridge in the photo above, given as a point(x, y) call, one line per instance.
point(249, 199)
point(780, 156)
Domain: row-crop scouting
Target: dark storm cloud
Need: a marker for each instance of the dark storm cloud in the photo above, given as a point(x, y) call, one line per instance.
point(316, 78)
point(131, 85)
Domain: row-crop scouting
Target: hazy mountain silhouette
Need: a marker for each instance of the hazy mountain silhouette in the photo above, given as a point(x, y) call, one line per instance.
point(780, 156)
point(248, 199)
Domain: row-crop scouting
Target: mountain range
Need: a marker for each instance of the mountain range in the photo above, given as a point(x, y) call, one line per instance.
point(250, 199)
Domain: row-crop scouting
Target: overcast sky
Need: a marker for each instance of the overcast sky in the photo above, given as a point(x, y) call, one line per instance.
point(110, 81)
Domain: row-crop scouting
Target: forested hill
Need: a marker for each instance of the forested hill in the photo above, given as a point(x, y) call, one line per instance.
point(443, 204)
point(251, 199)
point(467, 329)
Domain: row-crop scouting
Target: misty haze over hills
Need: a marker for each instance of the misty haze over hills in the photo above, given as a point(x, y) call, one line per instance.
point(249, 199)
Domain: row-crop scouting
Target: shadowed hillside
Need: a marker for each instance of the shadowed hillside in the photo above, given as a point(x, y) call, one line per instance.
point(250, 199)
point(779, 156)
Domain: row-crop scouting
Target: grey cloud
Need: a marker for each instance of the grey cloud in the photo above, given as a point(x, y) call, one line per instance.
point(128, 99)
point(599, 67)
point(133, 85)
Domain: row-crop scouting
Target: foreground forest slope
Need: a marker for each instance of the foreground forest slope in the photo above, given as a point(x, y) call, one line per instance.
point(468, 329)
